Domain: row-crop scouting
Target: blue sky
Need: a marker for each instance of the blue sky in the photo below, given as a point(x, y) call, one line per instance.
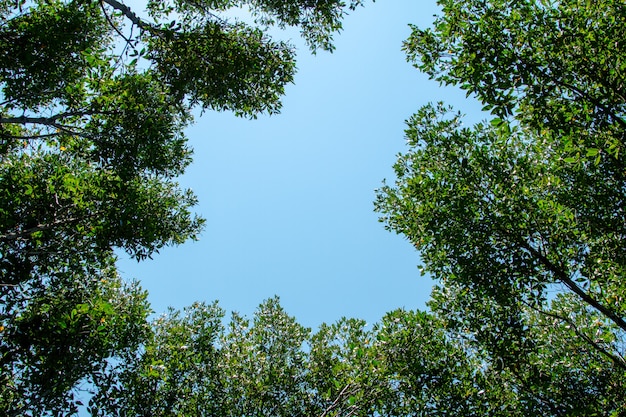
point(288, 198)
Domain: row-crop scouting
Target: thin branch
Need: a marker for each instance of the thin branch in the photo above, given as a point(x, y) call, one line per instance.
point(48, 121)
point(536, 68)
point(617, 360)
point(30, 137)
point(529, 389)
point(587, 96)
point(119, 32)
point(563, 277)
point(40, 228)
point(6, 102)
point(336, 401)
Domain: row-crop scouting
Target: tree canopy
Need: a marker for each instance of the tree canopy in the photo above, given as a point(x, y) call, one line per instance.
point(94, 100)
point(194, 365)
point(520, 218)
point(193, 362)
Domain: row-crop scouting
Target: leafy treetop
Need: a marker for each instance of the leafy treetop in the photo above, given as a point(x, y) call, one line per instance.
point(94, 100)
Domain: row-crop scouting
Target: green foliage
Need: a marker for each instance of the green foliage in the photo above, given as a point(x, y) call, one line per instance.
point(193, 365)
point(176, 372)
point(54, 335)
point(557, 66)
point(520, 218)
point(42, 56)
point(410, 363)
point(272, 366)
point(224, 67)
point(94, 100)
point(345, 369)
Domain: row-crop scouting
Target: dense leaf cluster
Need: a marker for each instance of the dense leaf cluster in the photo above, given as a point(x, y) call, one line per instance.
point(193, 365)
point(410, 363)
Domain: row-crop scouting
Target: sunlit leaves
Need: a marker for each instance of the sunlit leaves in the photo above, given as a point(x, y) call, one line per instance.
point(224, 67)
point(557, 66)
point(410, 363)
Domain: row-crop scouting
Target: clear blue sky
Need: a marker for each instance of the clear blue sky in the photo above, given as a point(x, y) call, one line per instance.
point(288, 198)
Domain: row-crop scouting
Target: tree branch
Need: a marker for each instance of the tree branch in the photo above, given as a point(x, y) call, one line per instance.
point(40, 228)
point(335, 403)
point(126, 11)
point(569, 283)
point(49, 121)
point(30, 137)
point(534, 67)
point(119, 32)
point(616, 359)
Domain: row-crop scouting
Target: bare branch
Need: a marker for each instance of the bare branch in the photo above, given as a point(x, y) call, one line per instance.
point(30, 137)
point(126, 11)
point(114, 26)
